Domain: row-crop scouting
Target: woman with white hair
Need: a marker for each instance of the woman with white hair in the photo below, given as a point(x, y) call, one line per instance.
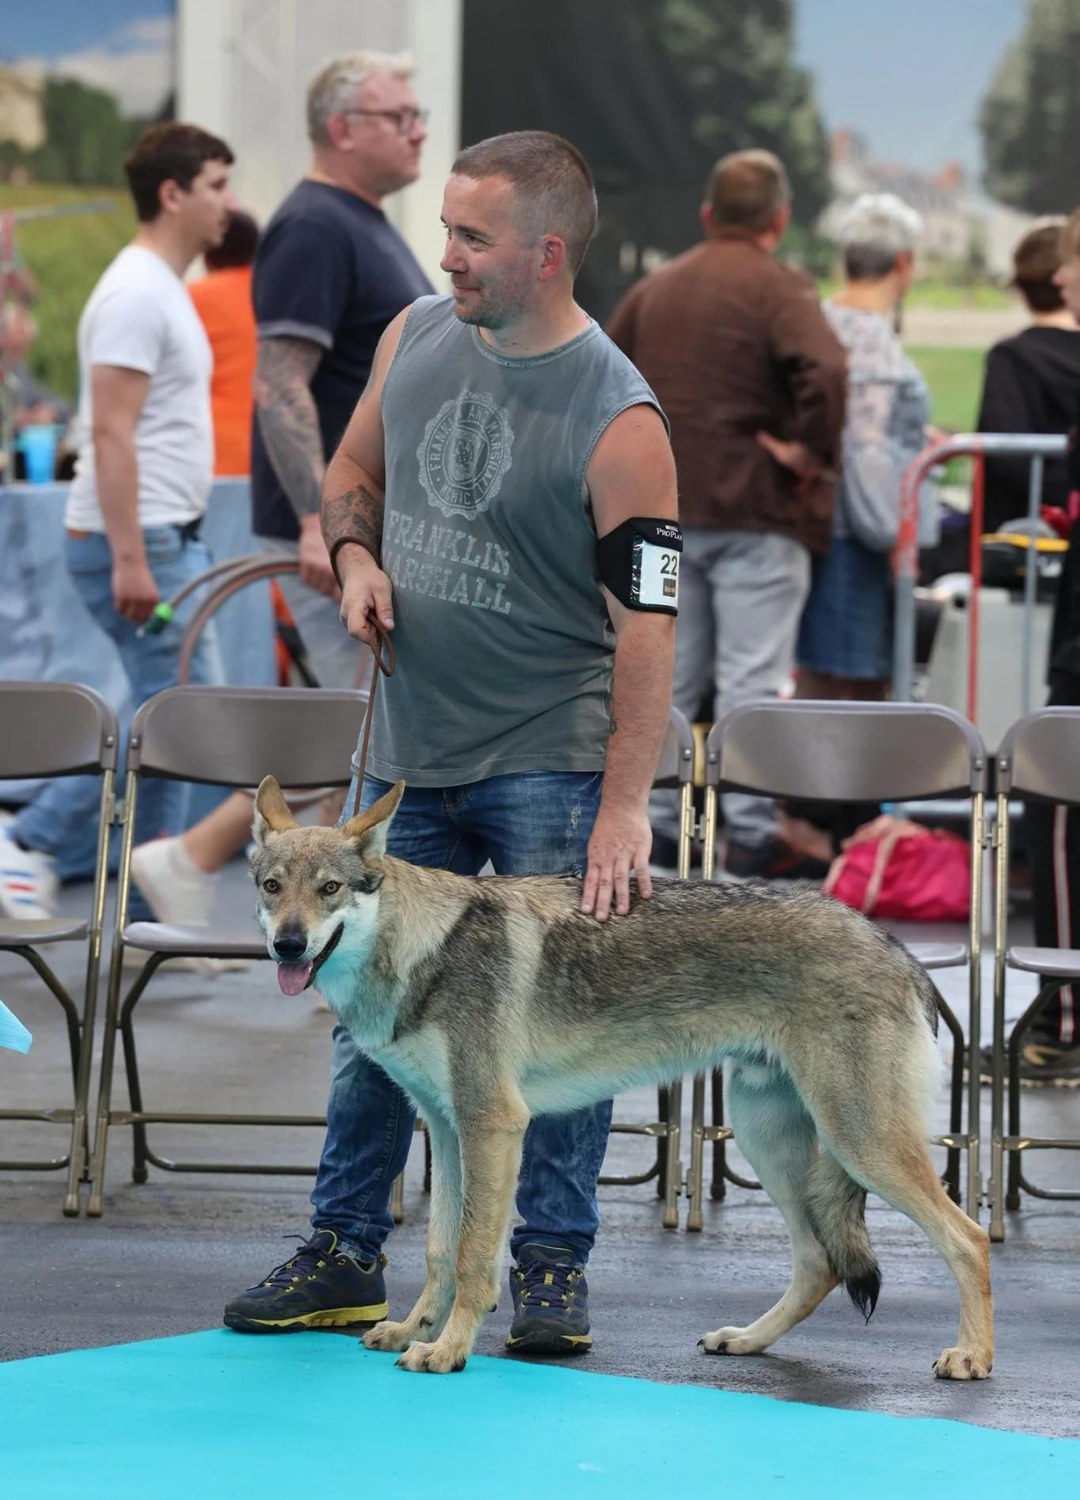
point(843, 649)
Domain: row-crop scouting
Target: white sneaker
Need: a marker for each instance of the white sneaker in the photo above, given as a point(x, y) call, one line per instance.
point(28, 883)
point(176, 891)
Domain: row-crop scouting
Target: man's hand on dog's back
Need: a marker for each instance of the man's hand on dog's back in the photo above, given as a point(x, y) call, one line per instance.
point(620, 845)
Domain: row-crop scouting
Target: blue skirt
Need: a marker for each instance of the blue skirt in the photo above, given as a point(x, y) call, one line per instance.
point(846, 627)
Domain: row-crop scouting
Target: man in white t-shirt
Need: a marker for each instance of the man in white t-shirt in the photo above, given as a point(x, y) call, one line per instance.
point(142, 481)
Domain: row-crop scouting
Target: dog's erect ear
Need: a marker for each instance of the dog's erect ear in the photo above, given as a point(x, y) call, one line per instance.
point(370, 828)
point(272, 814)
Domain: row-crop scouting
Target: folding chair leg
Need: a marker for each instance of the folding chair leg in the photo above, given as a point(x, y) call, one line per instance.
point(718, 1186)
point(673, 1162)
point(997, 1080)
point(397, 1199)
point(126, 817)
point(131, 1066)
point(696, 1176)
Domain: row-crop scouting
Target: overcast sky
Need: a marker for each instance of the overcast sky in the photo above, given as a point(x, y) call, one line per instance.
point(907, 75)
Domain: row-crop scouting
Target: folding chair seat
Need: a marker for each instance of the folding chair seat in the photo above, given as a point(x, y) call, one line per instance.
point(1039, 759)
point(52, 729)
point(221, 736)
point(854, 752)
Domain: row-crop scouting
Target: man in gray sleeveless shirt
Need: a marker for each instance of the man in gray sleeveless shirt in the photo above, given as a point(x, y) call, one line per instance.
point(501, 434)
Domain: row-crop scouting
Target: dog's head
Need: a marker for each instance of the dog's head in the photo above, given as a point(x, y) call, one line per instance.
point(316, 887)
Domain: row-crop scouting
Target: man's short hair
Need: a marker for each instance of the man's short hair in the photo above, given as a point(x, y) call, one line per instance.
point(747, 189)
point(169, 153)
point(1035, 259)
point(553, 187)
point(334, 85)
point(239, 245)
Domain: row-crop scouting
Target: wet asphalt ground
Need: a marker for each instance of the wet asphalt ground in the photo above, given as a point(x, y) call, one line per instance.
point(169, 1253)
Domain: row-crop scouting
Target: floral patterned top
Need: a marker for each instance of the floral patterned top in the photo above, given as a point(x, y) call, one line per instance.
point(888, 407)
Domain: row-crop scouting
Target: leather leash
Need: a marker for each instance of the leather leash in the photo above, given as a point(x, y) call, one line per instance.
point(386, 668)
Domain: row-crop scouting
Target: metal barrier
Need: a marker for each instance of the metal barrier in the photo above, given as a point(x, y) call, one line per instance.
point(978, 446)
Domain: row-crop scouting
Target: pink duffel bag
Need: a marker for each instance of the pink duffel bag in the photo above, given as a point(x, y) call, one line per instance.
point(893, 868)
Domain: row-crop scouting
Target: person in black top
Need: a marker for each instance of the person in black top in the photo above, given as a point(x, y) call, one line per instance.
point(1031, 379)
point(1052, 1051)
point(330, 274)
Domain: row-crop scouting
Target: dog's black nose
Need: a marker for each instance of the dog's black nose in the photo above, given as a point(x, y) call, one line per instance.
point(290, 946)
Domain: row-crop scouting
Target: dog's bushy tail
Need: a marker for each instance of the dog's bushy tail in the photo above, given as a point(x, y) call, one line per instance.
point(836, 1205)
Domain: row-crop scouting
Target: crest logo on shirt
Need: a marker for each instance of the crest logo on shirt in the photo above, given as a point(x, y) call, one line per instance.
point(465, 454)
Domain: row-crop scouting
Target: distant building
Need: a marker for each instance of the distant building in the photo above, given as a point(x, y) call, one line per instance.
point(962, 224)
point(22, 119)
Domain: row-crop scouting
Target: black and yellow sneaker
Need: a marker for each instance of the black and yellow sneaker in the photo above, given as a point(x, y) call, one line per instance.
point(551, 1303)
point(1044, 1064)
point(319, 1287)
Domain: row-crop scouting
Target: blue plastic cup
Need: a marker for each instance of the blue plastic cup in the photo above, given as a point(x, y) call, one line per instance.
point(38, 444)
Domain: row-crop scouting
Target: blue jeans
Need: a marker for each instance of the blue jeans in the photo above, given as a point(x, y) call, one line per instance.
point(62, 820)
point(530, 823)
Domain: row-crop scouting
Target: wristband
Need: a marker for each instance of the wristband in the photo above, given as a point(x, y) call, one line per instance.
point(344, 541)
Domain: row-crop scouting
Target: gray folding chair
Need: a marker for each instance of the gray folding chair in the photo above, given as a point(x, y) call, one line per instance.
point(675, 771)
point(855, 752)
point(52, 729)
point(222, 736)
point(1038, 758)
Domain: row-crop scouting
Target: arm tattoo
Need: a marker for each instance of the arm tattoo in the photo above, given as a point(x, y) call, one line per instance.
point(357, 514)
point(288, 419)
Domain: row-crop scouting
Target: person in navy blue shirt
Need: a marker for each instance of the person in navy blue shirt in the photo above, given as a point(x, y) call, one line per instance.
point(331, 273)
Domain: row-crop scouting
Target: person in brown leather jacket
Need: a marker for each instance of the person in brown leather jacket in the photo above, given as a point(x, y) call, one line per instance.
point(752, 379)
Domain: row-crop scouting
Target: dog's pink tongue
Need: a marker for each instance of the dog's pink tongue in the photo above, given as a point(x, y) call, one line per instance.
point(293, 977)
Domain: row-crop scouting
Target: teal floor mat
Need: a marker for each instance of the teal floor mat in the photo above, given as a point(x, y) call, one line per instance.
point(216, 1414)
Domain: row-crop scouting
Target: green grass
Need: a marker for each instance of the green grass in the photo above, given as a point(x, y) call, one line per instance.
point(66, 256)
point(944, 295)
point(955, 380)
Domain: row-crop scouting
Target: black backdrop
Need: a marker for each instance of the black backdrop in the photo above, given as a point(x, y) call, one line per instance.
point(590, 71)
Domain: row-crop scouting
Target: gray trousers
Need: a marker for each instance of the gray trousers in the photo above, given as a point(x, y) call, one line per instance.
point(741, 595)
point(335, 656)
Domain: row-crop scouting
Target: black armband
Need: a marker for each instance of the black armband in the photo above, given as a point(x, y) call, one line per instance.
point(639, 563)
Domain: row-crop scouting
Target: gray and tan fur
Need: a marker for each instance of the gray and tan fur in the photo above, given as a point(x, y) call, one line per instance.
point(492, 1000)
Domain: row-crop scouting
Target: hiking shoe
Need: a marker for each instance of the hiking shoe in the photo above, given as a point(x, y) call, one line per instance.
point(28, 883)
point(775, 860)
point(551, 1303)
point(319, 1287)
point(1043, 1064)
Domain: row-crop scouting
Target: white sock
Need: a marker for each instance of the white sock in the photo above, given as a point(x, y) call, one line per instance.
point(185, 868)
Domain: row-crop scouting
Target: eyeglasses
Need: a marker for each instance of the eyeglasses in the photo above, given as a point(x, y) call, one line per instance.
point(406, 120)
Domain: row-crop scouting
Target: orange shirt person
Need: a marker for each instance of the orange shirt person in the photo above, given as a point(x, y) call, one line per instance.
point(223, 301)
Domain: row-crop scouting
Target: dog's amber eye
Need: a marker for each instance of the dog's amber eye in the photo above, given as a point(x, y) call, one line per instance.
point(271, 887)
point(331, 888)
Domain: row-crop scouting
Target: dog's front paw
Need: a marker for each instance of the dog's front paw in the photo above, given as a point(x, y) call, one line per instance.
point(730, 1341)
point(963, 1364)
point(391, 1338)
point(441, 1358)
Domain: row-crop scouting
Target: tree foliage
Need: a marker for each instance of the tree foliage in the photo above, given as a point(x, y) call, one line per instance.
point(743, 88)
point(1030, 115)
point(86, 137)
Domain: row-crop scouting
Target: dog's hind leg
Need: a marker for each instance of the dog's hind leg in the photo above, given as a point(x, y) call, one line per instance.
point(776, 1135)
point(896, 1165)
point(490, 1143)
point(428, 1318)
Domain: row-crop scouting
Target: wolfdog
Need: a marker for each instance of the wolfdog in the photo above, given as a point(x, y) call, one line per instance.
point(489, 1000)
